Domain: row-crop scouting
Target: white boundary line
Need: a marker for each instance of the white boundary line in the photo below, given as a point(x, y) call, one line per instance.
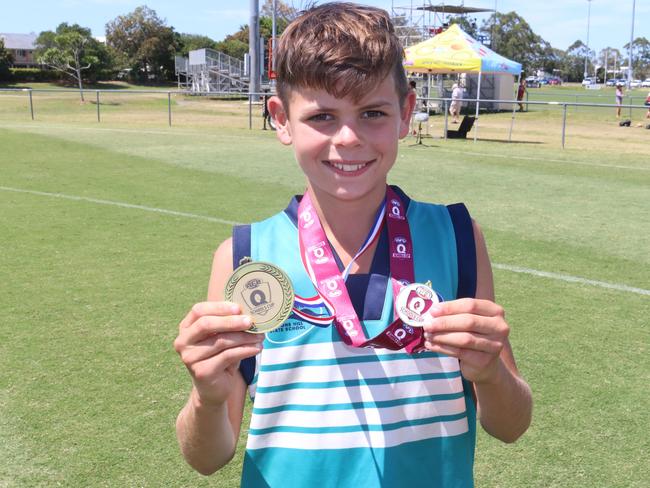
point(121, 204)
point(504, 267)
point(572, 279)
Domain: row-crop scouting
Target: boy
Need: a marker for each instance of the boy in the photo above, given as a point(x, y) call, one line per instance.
point(326, 413)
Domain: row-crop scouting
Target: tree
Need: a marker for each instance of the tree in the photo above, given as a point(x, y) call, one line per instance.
point(640, 57)
point(71, 49)
point(146, 42)
point(285, 11)
point(513, 38)
point(191, 42)
point(574, 61)
point(6, 60)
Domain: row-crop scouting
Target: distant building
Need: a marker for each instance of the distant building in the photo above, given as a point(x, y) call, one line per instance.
point(22, 48)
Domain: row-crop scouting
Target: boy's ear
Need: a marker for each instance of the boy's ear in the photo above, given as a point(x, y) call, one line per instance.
point(279, 114)
point(405, 116)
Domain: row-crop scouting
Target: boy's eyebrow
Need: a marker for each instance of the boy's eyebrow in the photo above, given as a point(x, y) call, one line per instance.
point(317, 107)
point(376, 104)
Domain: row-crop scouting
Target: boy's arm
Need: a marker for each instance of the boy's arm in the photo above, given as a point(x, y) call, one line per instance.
point(211, 343)
point(474, 330)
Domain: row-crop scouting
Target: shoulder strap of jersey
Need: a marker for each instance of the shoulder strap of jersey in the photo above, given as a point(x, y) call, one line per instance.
point(465, 250)
point(241, 249)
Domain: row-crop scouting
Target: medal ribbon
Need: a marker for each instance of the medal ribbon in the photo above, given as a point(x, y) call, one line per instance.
point(318, 260)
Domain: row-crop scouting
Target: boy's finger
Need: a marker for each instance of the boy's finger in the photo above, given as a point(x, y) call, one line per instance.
point(474, 306)
point(210, 325)
point(209, 308)
point(463, 340)
point(217, 344)
point(465, 322)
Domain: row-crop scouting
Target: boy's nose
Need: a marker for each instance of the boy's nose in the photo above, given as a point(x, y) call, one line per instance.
point(347, 135)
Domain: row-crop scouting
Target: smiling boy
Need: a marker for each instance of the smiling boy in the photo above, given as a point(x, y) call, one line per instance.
point(362, 400)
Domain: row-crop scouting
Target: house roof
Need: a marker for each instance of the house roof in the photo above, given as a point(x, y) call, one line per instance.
point(19, 41)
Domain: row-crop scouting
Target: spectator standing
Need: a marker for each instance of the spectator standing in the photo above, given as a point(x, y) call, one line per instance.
point(521, 92)
point(456, 97)
point(619, 100)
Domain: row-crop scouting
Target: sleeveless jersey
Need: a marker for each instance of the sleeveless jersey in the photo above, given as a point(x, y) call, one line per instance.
point(329, 415)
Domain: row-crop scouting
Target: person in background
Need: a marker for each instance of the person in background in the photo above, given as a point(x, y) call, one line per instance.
point(456, 97)
point(521, 93)
point(647, 104)
point(619, 100)
point(413, 88)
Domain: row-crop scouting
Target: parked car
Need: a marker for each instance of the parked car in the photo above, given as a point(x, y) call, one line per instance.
point(590, 80)
point(611, 82)
point(635, 83)
point(532, 82)
point(554, 81)
point(646, 83)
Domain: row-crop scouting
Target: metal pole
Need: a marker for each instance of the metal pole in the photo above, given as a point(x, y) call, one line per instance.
point(629, 68)
point(564, 125)
point(250, 111)
point(446, 118)
point(97, 103)
point(253, 46)
point(514, 107)
point(169, 107)
point(31, 104)
point(478, 98)
point(274, 35)
point(588, 22)
point(631, 103)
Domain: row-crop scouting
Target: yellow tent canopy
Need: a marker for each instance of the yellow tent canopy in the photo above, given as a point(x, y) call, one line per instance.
point(455, 51)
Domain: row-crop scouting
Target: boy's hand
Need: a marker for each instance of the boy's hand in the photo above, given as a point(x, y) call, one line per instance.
point(472, 330)
point(211, 342)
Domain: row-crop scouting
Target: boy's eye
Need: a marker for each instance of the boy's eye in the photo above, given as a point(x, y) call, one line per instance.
point(373, 114)
point(321, 117)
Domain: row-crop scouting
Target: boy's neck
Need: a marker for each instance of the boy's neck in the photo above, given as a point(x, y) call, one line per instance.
point(348, 222)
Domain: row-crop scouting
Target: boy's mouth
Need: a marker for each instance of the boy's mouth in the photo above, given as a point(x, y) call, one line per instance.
point(349, 167)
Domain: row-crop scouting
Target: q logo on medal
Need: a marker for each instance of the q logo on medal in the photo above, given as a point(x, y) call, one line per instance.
point(257, 296)
point(417, 303)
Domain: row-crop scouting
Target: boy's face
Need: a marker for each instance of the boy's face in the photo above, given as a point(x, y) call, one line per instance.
point(345, 148)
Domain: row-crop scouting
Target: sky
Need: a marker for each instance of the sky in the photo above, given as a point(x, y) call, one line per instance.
point(560, 22)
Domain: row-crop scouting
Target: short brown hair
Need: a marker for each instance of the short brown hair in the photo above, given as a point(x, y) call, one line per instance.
point(343, 48)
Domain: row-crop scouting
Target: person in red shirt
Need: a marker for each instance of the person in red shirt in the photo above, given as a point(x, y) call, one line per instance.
point(521, 92)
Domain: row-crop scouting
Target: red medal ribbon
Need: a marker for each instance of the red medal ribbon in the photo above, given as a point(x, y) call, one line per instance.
point(318, 259)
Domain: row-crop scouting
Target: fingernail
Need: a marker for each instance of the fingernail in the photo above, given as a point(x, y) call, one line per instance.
point(234, 309)
point(246, 320)
point(428, 336)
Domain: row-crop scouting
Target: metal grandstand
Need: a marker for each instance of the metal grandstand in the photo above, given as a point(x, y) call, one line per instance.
point(421, 20)
point(207, 70)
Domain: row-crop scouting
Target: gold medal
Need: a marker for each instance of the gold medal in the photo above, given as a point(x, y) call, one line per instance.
point(264, 292)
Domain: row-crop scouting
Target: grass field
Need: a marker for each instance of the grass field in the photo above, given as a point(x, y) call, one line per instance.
point(97, 270)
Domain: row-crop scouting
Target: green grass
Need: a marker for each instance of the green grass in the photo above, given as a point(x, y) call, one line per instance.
point(92, 293)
